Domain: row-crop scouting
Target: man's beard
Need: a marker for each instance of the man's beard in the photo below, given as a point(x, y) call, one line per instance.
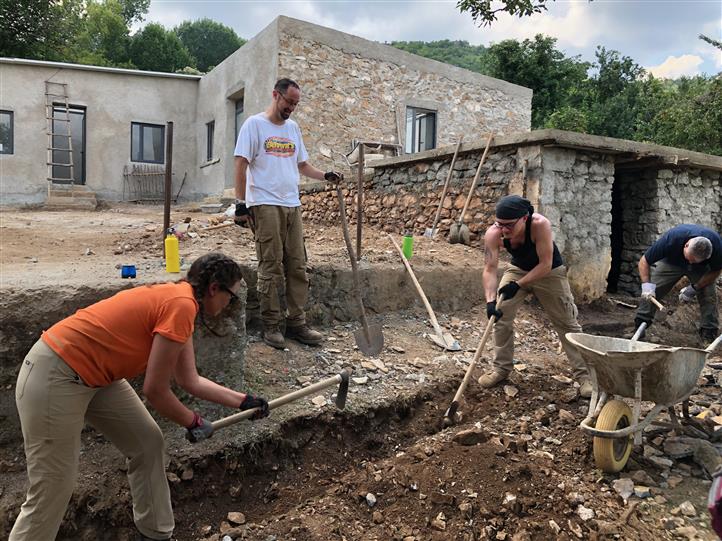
point(285, 115)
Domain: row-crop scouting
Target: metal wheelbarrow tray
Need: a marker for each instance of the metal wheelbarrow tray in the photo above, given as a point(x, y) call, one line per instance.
point(637, 370)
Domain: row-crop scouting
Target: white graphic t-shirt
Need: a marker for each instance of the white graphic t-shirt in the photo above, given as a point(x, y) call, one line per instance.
point(273, 153)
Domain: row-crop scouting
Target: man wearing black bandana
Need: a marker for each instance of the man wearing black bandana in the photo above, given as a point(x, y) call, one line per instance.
point(537, 268)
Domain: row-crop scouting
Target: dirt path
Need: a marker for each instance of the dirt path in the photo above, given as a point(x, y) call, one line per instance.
point(382, 469)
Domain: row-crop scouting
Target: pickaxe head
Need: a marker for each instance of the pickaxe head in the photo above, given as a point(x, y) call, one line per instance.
point(342, 390)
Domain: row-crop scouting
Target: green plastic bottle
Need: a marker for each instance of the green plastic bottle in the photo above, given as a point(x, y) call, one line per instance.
point(407, 246)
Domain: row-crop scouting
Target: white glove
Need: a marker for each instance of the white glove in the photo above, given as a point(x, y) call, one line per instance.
point(648, 290)
point(687, 294)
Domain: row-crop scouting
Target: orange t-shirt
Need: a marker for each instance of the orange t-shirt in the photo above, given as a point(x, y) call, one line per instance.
point(111, 339)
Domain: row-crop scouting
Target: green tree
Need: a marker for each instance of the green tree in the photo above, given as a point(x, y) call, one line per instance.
point(208, 41)
point(104, 37)
point(484, 13)
point(134, 10)
point(538, 65)
point(38, 29)
point(156, 49)
point(457, 53)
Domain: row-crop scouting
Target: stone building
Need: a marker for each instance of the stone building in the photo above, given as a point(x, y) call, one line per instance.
point(608, 199)
point(116, 118)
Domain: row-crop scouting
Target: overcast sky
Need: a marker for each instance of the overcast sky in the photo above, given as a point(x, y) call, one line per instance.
point(661, 35)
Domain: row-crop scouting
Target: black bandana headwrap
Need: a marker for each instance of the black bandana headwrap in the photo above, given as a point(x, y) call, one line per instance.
point(512, 207)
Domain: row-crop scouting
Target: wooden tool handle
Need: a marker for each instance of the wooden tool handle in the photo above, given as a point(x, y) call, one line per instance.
point(658, 304)
point(446, 185)
point(476, 178)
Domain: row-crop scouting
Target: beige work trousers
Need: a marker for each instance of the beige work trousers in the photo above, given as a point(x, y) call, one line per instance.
point(54, 404)
point(281, 261)
point(555, 296)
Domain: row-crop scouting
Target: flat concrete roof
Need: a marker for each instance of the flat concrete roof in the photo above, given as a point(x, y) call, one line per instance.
point(628, 151)
point(84, 67)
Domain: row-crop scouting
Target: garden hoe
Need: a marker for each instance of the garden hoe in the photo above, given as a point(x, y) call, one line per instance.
point(452, 416)
point(342, 379)
point(459, 232)
point(369, 339)
point(442, 338)
point(431, 232)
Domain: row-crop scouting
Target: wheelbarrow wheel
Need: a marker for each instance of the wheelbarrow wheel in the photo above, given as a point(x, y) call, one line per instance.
point(611, 454)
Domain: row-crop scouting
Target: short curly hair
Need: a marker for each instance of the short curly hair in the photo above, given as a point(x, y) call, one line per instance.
point(209, 268)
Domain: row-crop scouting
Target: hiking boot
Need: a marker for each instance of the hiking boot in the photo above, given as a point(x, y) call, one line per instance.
point(707, 336)
point(585, 388)
point(490, 379)
point(304, 334)
point(272, 336)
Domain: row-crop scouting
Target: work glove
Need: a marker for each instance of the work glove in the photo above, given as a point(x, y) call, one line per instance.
point(648, 290)
point(244, 218)
point(491, 311)
point(687, 294)
point(333, 176)
point(199, 429)
point(259, 402)
point(509, 290)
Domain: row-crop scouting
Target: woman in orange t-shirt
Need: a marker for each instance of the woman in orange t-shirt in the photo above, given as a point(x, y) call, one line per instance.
point(77, 372)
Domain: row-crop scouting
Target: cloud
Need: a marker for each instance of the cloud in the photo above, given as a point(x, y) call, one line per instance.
point(677, 66)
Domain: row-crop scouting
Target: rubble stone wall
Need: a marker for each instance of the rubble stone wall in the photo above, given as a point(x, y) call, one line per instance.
point(355, 89)
point(654, 201)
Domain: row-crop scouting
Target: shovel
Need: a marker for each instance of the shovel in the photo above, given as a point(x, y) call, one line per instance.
point(369, 339)
point(431, 232)
point(342, 379)
point(442, 339)
point(459, 232)
point(451, 416)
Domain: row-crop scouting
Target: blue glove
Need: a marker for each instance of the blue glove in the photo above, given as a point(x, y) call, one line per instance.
point(199, 429)
point(687, 294)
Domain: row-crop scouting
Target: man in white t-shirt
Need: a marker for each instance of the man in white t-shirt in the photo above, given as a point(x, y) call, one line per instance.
point(269, 156)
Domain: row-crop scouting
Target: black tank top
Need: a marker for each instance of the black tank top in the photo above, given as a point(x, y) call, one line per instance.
point(525, 256)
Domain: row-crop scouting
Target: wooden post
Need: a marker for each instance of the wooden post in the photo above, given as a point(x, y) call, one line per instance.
point(168, 177)
point(359, 199)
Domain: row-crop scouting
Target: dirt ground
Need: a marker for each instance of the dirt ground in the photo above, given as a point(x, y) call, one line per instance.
point(384, 468)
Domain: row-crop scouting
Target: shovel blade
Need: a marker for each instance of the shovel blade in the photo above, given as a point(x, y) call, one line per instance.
point(372, 345)
point(430, 233)
point(454, 234)
point(445, 341)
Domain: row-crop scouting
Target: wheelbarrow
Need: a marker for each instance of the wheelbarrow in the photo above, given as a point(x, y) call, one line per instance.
point(640, 371)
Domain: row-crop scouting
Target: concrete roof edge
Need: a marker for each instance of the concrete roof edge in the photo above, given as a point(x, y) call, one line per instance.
point(567, 139)
point(381, 51)
point(105, 69)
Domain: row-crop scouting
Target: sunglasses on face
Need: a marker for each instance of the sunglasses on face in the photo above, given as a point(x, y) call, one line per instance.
point(233, 297)
point(507, 225)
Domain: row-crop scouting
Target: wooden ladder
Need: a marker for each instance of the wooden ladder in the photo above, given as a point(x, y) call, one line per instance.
point(56, 101)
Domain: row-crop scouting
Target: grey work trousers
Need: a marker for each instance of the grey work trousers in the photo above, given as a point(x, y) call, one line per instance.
point(556, 298)
point(665, 276)
point(54, 405)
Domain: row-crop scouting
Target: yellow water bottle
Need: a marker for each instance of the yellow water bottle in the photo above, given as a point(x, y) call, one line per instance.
point(172, 253)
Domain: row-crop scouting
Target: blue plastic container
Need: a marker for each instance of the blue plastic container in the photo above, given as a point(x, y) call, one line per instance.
point(127, 271)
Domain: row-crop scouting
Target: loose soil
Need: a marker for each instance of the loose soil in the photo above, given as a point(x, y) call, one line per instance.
point(312, 472)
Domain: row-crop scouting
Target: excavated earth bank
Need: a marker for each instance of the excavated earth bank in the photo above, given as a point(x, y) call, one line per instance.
point(383, 468)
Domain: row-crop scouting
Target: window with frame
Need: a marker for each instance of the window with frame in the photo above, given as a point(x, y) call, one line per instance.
point(420, 129)
point(147, 142)
point(210, 129)
point(6, 132)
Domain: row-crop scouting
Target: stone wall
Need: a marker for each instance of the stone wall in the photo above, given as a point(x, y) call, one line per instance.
point(654, 201)
point(356, 89)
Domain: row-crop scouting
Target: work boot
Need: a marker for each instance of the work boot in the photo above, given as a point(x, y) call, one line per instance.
point(585, 388)
point(490, 379)
point(272, 336)
point(304, 334)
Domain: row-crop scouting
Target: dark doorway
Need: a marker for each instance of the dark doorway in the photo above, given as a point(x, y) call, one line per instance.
point(616, 236)
point(62, 152)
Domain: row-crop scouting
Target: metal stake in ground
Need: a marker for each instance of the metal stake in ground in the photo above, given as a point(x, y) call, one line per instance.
point(459, 232)
point(451, 415)
point(431, 232)
point(342, 379)
point(442, 339)
point(369, 339)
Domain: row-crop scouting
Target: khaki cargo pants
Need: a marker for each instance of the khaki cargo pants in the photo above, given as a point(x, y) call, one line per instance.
point(555, 296)
point(281, 261)
point(54, 405)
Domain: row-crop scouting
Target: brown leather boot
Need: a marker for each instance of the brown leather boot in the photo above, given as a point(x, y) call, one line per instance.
point(304, 334)
point(272, 336)
point(491, 379)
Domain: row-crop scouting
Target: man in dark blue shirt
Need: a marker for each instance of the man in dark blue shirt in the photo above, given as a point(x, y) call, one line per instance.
point(687, 250)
